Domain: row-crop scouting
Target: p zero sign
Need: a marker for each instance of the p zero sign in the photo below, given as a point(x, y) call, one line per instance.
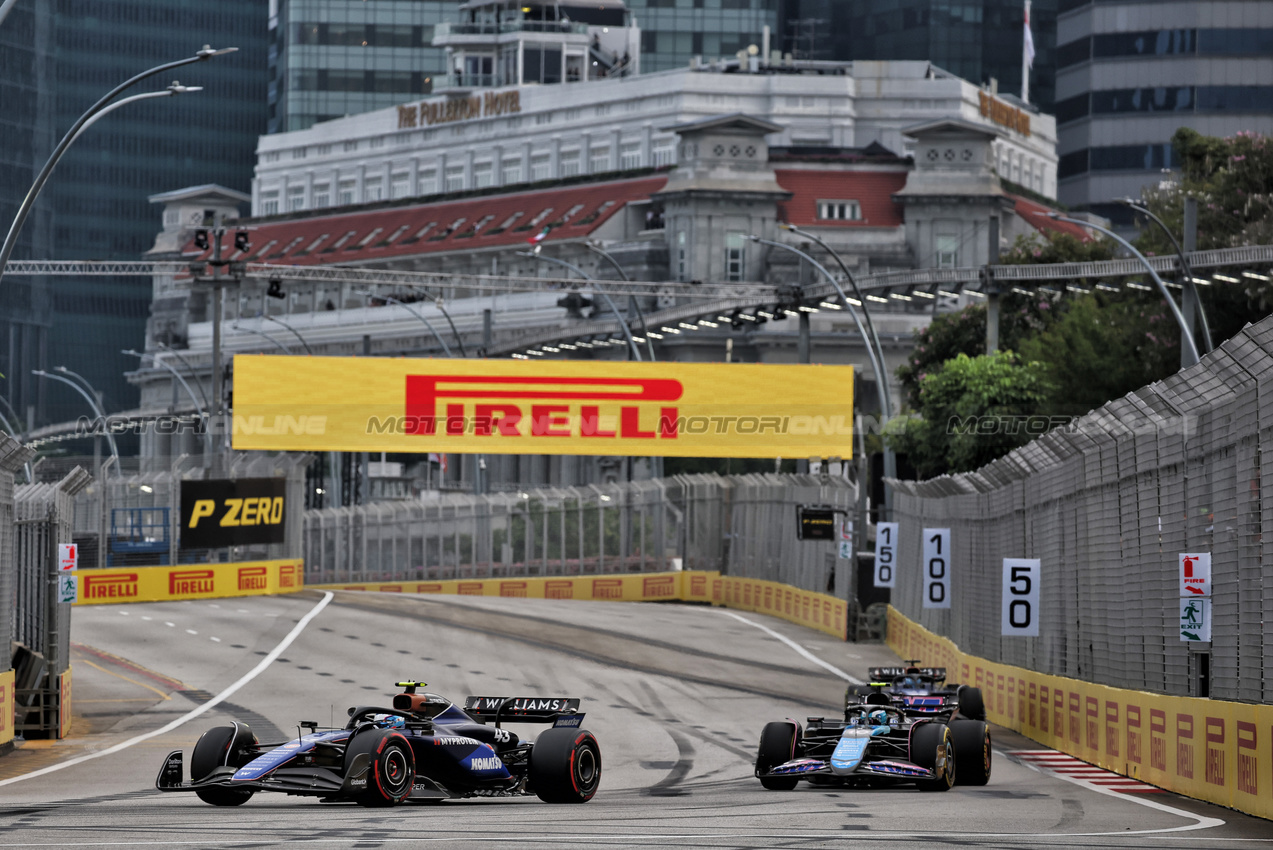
point(570, 407)
point(237, 512)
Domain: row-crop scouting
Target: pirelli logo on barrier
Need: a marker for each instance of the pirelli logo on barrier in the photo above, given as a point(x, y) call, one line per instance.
point(200, 581)
point(571, 407)
point(232, 512)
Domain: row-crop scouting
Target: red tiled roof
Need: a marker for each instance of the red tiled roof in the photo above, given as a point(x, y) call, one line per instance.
point(873, 190)
point(1029, 211)
point(505, 219)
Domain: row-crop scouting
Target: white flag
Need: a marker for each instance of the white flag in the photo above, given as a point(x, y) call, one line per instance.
point(1028, 49)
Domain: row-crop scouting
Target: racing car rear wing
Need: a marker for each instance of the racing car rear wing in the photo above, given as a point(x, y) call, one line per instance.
point(520, 709)
point(879, 674)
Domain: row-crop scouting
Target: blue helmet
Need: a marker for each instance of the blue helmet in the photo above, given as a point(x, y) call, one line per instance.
point(389, 721)
point(878, 717)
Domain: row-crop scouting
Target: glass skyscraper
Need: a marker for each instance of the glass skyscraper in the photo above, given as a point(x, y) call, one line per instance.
point(58, 57)
point(974, 39)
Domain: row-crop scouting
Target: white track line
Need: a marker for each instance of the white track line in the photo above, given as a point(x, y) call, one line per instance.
point(797, 647)
point(207, 706)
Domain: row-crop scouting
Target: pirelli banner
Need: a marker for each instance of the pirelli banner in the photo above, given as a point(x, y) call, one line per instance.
point(6, 706)
point(1208, 749)
point(191, 581)
point(572, 407)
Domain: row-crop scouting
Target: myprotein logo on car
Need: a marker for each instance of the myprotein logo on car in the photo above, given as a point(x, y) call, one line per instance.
point(110, 586)
point(504, 406)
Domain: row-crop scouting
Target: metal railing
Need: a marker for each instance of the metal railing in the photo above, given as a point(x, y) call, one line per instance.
point(1107, 504)
point(742, 525)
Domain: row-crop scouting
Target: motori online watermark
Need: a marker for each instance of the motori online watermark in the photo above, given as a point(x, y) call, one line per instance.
point(1036, 425)
point(139, 425)
point(562, 424)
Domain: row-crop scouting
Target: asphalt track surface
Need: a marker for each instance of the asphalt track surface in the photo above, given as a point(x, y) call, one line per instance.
point(675, 694)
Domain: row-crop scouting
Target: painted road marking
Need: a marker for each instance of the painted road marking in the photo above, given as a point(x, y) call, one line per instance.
point(797, 647)
point(1068, 767)
point(199, 710)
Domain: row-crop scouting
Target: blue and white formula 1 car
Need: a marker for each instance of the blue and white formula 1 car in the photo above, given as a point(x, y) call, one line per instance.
point(875, 745)
point(422, 748)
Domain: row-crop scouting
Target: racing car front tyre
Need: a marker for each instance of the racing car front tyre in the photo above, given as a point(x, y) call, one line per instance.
point(222, 745)
point(565, 766)
point(779, 743)
point(971, 704)
point(927, 740)
point(972, 751)
point(391, 768)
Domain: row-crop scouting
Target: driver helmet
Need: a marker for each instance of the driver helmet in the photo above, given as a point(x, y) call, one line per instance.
point(878, 717)
point(389, 721)
point(910, 682)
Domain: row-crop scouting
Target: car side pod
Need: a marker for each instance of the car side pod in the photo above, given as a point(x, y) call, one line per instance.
point(172, 773)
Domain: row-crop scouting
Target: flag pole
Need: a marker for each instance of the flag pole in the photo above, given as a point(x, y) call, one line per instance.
point(1027, 56)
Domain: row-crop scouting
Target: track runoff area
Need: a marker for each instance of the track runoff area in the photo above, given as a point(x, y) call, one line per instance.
point(676, 696)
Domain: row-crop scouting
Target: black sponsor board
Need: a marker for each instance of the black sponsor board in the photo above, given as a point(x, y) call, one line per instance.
point(241, 512)
point(817, 522)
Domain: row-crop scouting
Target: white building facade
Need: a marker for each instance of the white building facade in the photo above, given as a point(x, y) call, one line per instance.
point(520, 135)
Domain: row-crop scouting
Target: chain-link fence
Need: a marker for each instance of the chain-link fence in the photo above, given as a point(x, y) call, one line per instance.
point(13, 456)
point(1108, 503)
point(743, 525)
point(42, 519)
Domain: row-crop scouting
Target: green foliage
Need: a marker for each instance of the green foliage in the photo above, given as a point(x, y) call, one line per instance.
point(939, 439)
point(1103, 347)
point(1056, 248)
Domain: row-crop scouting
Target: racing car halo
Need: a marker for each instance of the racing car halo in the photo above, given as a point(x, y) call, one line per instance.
point(423, 748)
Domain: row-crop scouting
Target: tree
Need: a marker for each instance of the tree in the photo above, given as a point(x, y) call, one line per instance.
point(1104, 346)
point(971, 412)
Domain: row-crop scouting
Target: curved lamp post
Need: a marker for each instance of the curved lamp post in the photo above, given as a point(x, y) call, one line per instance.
point(445, 348)
point(92, 402)
point(1186, 336)
point(164, 347)
point(857, 293)
point(1185, 269)
point(278, 321)
point(280, 346)
point(645, 331)
point(203, 417)
point(96, 111)
point(627, 332)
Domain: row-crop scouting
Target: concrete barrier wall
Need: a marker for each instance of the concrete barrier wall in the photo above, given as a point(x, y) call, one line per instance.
point(1212, 750)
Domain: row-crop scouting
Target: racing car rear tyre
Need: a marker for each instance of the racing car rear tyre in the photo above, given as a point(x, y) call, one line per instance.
point(926, 738)
point(972, 751)
point(565, 766)
point(222, 745)
point(971, 704)
point(779, 743)
point(391, 771)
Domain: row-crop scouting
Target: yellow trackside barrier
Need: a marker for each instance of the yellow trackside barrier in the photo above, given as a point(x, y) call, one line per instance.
point(1203, 748)
point(6, 706)
point(190, 581)
point(640, 587)
point(815, 610)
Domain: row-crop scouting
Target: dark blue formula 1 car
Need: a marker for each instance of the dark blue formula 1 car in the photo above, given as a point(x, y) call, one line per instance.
point(921, 691)
point(423, 748)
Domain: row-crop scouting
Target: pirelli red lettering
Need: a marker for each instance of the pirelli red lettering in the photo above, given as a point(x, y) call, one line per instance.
point(1248, 774)
point(1158, 738)
point(191, 581)
point(1091, 712)
point(698, 586)
point(1111, 728)
point(1184, 745)
point(253, 578)
point(559, 589)
point(509, 406)
point(287, 575)
point(659, 587)
point(428, 587)
point(6, 708)
point(607, 588)
point(110, 585)
point(1133, 734)
point(513, 588)
point(1214, 734)
point(469, 588)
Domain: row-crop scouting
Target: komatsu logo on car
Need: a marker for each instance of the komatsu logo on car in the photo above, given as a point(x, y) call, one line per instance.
point(454, 741)
point(486, 763)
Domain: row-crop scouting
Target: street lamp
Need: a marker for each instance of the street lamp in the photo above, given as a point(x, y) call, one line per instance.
point(290, 328)
point(446, 348)
point(632, 302)
point(95, 112)
point(92, 402)
point(203, 417)
point(1185, 270)
point(1189, 348)
point(184, 362)
point(535, 255)
point(280, 346)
